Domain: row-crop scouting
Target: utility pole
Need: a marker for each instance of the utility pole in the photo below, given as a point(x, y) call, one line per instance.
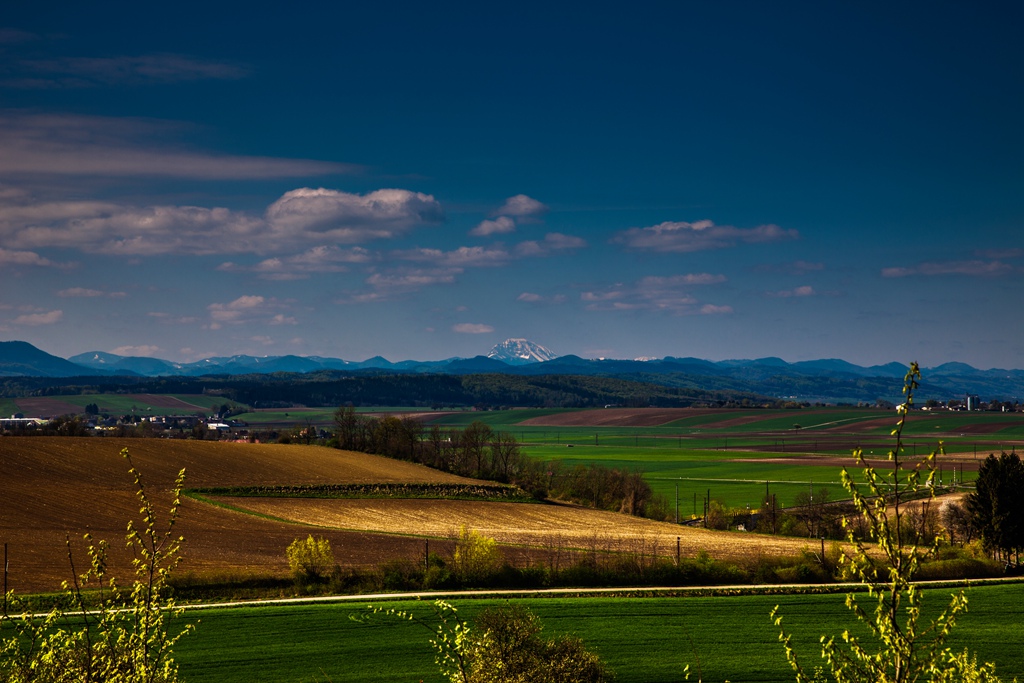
point(677, 503)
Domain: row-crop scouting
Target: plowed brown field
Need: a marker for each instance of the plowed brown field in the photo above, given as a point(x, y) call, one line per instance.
point(46, 407)
point(618, 417)
point(52, 486)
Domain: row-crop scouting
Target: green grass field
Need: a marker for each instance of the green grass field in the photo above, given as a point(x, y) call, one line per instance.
point(117, 404)
point(8, 407)
point(644, 640)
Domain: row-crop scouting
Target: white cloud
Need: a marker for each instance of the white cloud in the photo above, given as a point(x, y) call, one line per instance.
point(79, 292)
point(144, 350)
point(676, 237)
point(73, 145)
point(804, 290)
point(169, 319)
point(463, 257)
point(532, 298)
point(34, 319)
point(413, 278)
point(345, 218)
point(472, 328)
point(82, 292)
point(500, 225)
point(321, 259)
point(387, 286)
point(248, 309)
point(653, 293)
point(552, 242)
point(711, 309)
point(656, 282)
point(521, 206)
point(299, 218)
point(23, 258)
point(971, 268)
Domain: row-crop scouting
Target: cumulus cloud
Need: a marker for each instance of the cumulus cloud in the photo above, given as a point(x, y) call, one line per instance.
point(974, 268)
point(681, 237)
point(83, 292)
point(248, 309)
point(35, 319)
point(74, 145)
point(499, 226)
point(346, 218)
point(169, 319)
point(388, 286)
point(144, 350)
point(538, 299)
point(23, 258)
point(320, 259)
point(412, 279)
point(472, 328)
point(552, 242)
point(299, 218)
point(522, 207)
point(654, 293)
point(463, 257)
point(446, 266)
point(805, 290)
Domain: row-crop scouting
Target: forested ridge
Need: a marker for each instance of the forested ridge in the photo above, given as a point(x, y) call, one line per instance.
point(333, 388)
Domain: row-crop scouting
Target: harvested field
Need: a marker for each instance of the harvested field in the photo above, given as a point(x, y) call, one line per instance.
point(982, 428)
point(52, 487)
point(46, 407)
point(617, 417)
point(541, 526)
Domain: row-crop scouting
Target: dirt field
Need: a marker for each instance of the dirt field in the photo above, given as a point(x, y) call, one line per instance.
point(517, 524)
point(46, 407)
point(55, 487)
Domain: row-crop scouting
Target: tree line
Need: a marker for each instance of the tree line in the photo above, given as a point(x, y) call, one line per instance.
point(481, 452)
point(377, 388)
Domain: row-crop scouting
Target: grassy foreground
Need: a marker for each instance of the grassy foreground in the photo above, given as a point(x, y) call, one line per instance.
point(645, 640)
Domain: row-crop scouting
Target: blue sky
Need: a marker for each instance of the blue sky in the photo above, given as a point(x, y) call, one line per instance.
point(719, 180)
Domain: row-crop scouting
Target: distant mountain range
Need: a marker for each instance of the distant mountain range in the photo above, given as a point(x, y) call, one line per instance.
point(828, 380)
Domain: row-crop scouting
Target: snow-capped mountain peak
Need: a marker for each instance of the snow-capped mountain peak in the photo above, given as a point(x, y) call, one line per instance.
point(520, 352)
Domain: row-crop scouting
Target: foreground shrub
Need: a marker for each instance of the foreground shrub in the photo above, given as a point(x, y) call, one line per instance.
point(119, 635)
point(476, 557)
point(503, 646)
point(902, 650)
point(311, 560)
